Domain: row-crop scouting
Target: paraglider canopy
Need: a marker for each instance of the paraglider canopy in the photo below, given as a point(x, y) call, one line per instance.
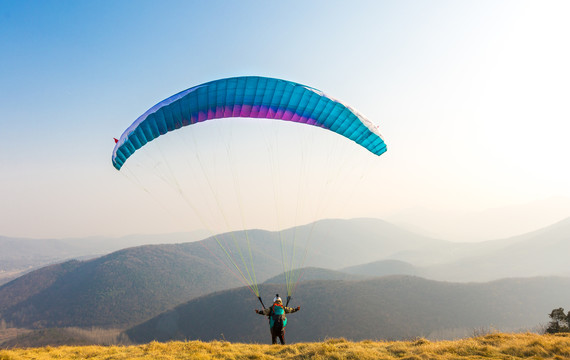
point(248, 96)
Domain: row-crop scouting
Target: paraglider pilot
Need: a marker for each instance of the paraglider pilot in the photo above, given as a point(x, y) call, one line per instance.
point(277, 320)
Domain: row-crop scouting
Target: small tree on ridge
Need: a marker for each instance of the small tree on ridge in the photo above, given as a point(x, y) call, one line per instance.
point(560, 322)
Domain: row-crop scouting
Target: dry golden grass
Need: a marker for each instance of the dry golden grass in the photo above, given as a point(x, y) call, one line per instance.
point(493, 346)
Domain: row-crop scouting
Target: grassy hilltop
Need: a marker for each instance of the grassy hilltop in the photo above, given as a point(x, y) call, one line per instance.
point(492, 346)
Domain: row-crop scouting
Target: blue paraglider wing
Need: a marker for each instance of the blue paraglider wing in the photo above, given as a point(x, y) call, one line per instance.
point(253, 97)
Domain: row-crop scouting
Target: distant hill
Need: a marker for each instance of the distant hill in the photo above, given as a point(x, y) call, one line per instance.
point(336, 244)
point(490, 224)
point(122, 288)
point(394, 307)
point(21, 255)
point(33, 284)
point(383, 268)
point(312, 273)
point(542, 252)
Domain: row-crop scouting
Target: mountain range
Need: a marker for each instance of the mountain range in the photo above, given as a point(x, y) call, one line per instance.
point(542, 252)
point(133, 285)
point(330, 242)
point(490, 224)
point(117, 289)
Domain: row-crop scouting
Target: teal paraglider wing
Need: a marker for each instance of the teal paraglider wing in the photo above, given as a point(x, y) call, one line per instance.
point(253, 97)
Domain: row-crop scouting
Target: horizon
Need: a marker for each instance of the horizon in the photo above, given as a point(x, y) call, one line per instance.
point(470, 98)
point(411, 228)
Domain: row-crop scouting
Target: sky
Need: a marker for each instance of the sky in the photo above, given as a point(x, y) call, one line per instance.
point(470, 96)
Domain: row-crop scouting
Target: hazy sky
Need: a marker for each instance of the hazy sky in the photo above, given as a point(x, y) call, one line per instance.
point(471, 97)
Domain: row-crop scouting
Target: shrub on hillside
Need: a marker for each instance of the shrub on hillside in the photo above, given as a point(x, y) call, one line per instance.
point(560, 322)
